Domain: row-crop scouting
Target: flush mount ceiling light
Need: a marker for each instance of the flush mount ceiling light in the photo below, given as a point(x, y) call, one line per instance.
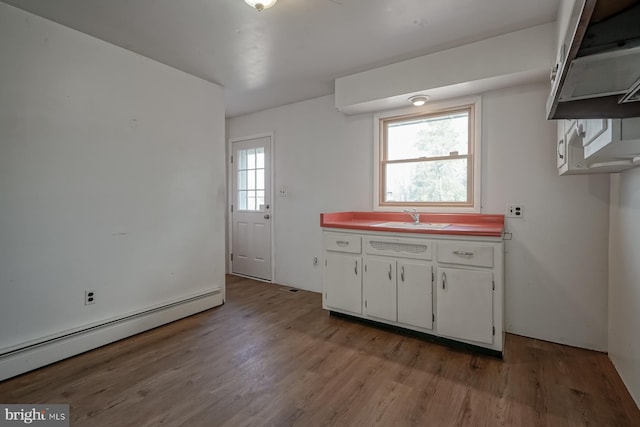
point(419, 100)
point(261, 5)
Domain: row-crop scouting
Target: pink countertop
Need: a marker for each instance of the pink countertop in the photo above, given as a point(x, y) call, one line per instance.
point(459, 224)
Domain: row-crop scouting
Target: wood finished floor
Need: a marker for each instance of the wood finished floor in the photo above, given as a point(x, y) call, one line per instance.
point(269, 357)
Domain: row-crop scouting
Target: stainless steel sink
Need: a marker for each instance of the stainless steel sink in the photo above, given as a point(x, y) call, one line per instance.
point(420, 226)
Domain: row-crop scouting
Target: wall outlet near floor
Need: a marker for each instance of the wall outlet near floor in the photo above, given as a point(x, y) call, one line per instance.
point(89, 297)
point(515, 211)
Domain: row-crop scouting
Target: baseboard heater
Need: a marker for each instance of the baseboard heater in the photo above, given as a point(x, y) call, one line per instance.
point(34, 354)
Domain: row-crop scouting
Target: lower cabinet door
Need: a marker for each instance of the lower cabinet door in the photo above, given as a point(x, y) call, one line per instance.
point(464, 306)
point(343, 282)
point(380, 288)
point(415, 293)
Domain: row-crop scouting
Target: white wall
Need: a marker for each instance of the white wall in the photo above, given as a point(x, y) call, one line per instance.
point(556, 275)
point(556, 264)
point(323, 158)
point(624, 284)
point(111, 178)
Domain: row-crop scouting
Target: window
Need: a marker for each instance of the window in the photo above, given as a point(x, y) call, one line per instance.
point(429, 159)
point(250, 179)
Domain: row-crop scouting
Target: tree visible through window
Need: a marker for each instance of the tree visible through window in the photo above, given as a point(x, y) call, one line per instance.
point(427, 159)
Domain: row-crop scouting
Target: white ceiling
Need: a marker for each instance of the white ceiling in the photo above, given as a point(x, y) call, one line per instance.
point(295, 50)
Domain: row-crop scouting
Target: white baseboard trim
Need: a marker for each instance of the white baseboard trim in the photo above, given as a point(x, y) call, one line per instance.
point(25, 358)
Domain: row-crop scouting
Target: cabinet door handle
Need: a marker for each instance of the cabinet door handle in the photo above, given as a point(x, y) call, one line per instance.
point(389, 271)
point(402, 274)
point(356, 269)
point(342, 243)
point(561, 151)
point(444, 279)
point(463, 253)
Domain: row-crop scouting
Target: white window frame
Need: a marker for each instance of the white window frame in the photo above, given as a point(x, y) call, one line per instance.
point(432, 108)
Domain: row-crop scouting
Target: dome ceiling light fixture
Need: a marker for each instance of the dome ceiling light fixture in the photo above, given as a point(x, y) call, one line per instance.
point(261, 5)
point(419, 100)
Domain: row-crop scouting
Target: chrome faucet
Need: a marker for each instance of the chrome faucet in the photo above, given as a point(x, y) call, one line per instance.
point(414, 215)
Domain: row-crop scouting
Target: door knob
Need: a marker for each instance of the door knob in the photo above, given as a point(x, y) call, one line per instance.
point(267, 216)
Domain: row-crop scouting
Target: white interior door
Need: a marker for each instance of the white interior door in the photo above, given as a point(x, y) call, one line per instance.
point(251, 214)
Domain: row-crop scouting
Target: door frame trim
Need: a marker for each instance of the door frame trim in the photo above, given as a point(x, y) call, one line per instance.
point(272, 204)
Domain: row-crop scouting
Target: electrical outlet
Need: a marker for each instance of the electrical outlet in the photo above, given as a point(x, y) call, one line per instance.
point(89, 297)
point(515, 211)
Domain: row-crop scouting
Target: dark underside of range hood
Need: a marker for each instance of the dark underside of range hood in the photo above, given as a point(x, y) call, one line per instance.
point(619, 31)
point(599, 76)
point(602, 107)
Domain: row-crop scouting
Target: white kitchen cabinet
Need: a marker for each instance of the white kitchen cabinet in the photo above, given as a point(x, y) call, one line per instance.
point(569, 14)
point(380, 288)
point(570, 152)
point(465, 304)
point(605, 139)
point(399, 290)
point(415, 293)
point(561, 145)
point(342, 273)
point(400, 283)
point(597, 145)
point(396, 270)
point(464, 291)
point(591, 129)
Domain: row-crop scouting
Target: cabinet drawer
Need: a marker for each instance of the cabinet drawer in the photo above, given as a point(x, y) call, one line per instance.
point(400, 248)
point(338, 242)
point(465, 254)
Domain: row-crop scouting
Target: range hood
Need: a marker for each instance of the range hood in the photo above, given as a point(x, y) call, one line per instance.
point(598, 70)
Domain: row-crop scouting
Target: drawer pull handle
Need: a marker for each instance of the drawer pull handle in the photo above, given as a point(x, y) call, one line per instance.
point(463, 253)
point(342, 243)
point(402, 274)
point(356, 269)
point(389, 271)
point(444, 279)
